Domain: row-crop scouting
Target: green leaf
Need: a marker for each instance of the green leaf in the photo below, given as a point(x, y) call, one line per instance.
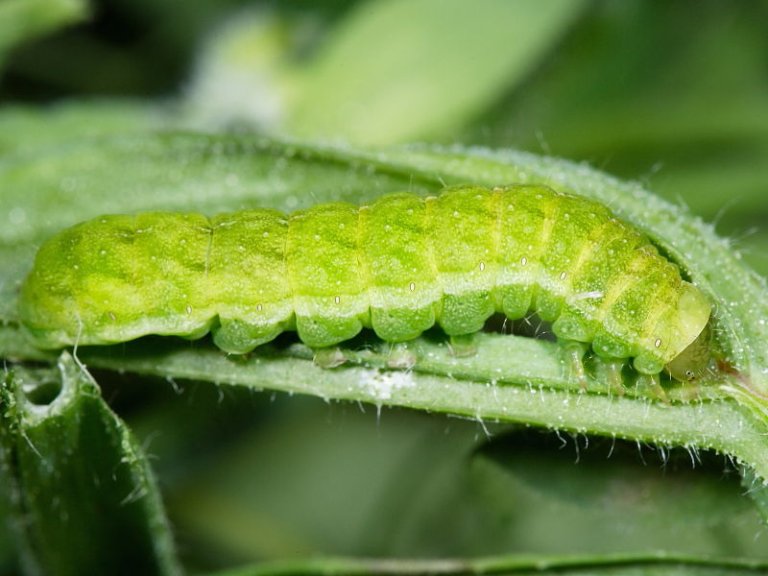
point(510, 379)
point(424, 485)
point(22, 20)
point(83, 496)
point(620, 565)
point(27, 128)
point(404, 70)
point(246, 71)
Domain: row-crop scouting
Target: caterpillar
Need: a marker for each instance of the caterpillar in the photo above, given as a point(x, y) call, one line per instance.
point(398, 265)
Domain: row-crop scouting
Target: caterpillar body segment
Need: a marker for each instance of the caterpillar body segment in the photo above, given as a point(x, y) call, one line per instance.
point(398, 265)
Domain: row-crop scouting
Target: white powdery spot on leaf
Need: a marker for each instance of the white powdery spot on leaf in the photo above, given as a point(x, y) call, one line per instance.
point(382, 384)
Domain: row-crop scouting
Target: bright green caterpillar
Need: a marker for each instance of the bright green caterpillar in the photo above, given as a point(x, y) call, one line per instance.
point(398, 265)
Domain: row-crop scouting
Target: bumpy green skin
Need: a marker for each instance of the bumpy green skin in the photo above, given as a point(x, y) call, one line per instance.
point(398, 266)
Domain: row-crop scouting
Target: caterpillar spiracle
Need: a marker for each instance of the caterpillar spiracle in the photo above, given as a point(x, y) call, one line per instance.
point(398, 265)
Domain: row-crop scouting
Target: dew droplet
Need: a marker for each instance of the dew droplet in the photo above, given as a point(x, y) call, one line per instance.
point(412, 286)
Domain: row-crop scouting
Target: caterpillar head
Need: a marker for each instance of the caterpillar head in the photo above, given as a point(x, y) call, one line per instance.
point(689, 335)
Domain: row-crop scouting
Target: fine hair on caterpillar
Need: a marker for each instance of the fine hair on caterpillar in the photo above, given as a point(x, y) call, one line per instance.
point(398, 265)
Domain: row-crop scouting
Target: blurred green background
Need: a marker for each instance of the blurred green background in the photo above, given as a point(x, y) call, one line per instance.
point(671, 93)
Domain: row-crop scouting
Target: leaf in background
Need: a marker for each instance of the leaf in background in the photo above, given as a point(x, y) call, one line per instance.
point(573, 495)
point(430, 486)
point(22, 20)
point(82, 493)
point(273, 491)
point(403, 70)
point(529, 565)
point(31, 128)
point(128, 48)
point(245, 72)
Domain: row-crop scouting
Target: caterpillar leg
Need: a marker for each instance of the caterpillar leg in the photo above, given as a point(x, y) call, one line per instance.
point(610, 372)
point(575, 357)
point(331, 357)
point(401, 357)
point(650, 385)
point(463, 346)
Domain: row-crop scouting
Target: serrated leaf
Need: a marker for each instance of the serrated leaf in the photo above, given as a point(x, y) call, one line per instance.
point(83, 496)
